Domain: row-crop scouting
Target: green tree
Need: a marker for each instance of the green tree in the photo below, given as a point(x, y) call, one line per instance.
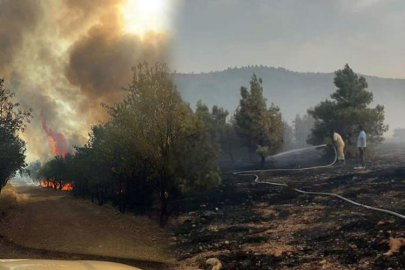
point(218, 127)
point(44, 174)
point(153, 149)
point(54, 172)
point(259, 128)
point(348, 109)
point(168, 137)
point(81, 171)
point(12, 121)
point(222, 131)
point(100, 156)
point(225, 131)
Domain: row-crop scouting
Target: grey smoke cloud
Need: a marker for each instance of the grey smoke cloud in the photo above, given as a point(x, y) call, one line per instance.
point(16, 18)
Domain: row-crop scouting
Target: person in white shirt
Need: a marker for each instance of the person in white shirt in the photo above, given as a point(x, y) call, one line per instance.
point(340, 146)
point(362, 145)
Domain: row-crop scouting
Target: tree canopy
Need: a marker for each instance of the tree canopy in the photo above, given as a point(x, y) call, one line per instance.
point(153, 147)
point(260, 128)
point(12, 148)
point(349, 108)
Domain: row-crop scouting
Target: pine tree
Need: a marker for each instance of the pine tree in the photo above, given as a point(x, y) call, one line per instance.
point(259, 128)
point(349, 108)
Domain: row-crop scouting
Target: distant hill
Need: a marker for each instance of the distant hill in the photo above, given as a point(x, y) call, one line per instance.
point(293, 92)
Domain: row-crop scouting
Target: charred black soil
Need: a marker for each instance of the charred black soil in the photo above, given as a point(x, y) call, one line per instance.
point(251, 225)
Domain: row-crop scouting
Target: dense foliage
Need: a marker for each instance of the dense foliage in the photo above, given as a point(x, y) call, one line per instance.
point(348, 109)
point(260, 128)
point(154, 147)
point(12, 148)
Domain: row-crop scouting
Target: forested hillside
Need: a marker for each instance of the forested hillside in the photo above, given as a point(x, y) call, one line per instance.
point(293, 92)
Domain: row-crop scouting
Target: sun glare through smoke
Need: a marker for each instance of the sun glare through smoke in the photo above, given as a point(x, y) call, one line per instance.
point(142, 16)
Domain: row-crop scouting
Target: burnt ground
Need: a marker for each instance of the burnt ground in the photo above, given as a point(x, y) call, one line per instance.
point(256, 226)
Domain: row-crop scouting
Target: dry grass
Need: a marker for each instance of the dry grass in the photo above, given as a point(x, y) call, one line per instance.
point(8, 200)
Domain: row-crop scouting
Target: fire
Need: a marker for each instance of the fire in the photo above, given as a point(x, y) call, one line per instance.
point(56, 139)
point(66, 187)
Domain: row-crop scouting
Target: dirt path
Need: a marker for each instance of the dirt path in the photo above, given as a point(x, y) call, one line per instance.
point(55, 223)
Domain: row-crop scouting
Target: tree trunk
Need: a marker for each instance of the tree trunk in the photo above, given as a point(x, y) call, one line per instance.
point(164, 198)
point(262, 158)
point(263, 161)
point(120, 194)
point(163, 211)
point(124, 206)
point(230, 152)
point(100, 197)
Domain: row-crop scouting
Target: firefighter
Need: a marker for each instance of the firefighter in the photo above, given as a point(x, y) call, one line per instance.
point(362, 145)
point(340, 146)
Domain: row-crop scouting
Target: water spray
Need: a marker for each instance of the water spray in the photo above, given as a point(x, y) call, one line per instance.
point(254, 173)
point(298, 150)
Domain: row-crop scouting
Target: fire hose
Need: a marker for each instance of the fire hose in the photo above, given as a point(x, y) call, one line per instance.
point(255, 173)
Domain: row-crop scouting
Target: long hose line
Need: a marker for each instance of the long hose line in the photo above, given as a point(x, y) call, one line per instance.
point(254, 173)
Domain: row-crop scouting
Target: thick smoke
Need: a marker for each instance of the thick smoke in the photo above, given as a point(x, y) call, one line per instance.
point(65, 57)
point(16, 18)
point(100, 62)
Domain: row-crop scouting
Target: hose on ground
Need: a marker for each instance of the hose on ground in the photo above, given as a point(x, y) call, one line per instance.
point(254, 173)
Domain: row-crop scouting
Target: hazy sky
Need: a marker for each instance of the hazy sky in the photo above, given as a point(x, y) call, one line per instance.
point(301, 35)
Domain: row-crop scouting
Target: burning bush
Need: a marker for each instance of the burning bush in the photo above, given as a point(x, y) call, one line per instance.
point(56, 173)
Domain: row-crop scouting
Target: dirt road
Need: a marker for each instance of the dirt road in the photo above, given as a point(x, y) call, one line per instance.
point(55, 224)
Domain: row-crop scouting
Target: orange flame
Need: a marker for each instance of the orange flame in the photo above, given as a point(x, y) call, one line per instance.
point(66, 187)
point(56, 139)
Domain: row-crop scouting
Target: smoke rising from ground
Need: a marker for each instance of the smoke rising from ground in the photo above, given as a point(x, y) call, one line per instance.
point(64, 57)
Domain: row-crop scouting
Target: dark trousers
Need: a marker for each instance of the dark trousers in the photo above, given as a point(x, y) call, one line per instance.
point(362, 158)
